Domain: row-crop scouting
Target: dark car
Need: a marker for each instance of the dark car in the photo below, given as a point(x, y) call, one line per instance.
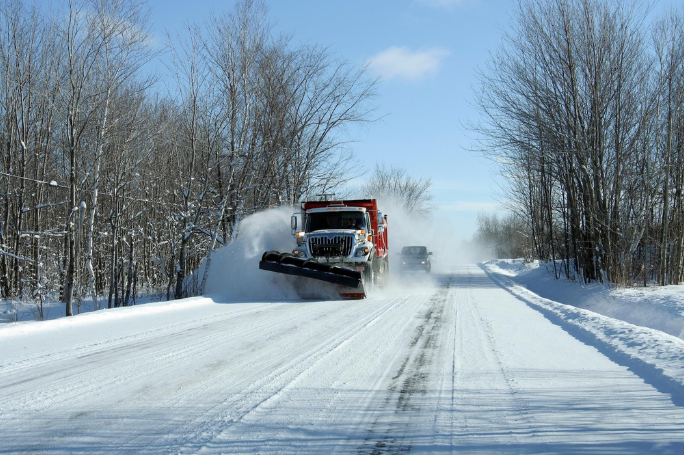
point(415, 258)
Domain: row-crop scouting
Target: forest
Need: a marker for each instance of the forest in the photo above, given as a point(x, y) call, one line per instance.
point(112, 186)
point(583, 108)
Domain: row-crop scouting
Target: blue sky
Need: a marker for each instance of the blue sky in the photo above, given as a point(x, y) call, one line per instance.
point(426, 52)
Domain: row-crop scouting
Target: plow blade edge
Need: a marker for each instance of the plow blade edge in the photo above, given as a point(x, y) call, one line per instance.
point(289, 264)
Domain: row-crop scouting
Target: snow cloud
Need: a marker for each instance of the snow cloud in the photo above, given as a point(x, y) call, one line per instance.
point(403, 63)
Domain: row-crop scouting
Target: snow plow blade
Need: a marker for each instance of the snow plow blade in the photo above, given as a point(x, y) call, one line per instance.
point(350, 281)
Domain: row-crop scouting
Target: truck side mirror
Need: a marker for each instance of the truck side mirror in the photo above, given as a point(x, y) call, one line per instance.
point(293, 224)
point(382, 220)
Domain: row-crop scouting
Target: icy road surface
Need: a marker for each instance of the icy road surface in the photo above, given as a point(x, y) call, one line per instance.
point(456, 366)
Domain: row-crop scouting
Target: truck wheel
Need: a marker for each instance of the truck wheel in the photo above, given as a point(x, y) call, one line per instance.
point(369, 274)
point(382, 276)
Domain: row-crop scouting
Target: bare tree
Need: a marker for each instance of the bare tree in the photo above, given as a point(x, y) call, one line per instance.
point(668, 37)
point(395, 183)
point(568, 107)
point(285, 109)
point(27, 55)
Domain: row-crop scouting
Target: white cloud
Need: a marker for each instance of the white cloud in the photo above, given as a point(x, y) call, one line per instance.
point(403, 63)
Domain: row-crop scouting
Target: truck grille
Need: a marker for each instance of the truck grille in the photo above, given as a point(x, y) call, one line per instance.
point(331, 246)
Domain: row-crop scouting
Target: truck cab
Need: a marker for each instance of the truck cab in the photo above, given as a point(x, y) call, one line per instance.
point(350, 234)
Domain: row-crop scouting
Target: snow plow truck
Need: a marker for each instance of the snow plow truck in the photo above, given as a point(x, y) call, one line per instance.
point(343, 243)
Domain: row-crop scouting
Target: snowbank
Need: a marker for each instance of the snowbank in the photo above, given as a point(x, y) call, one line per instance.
point(654, 355)
point(657, 307)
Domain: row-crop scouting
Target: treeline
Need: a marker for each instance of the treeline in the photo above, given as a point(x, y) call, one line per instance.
point(109, 187)
point(584, 109)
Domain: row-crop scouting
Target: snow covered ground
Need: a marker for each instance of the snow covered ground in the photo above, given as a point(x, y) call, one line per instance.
point(466, 360)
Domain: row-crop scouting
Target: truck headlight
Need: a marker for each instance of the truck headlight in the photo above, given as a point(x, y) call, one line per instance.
point(363, 251)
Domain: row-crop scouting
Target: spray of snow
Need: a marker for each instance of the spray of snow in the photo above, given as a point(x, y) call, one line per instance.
point(235, 273)
point(235, 270)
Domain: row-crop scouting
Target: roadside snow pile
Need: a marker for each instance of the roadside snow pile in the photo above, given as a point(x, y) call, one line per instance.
point(656, 356)
point(512, 267)
point(660, 308)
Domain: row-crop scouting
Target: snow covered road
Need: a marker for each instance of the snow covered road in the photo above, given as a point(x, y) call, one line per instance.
point(455, 365)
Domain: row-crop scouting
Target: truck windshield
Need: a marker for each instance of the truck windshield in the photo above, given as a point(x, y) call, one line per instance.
point(336, 220)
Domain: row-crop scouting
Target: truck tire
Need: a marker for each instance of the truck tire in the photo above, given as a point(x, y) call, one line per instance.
point(382, 272)
point(369, 274)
